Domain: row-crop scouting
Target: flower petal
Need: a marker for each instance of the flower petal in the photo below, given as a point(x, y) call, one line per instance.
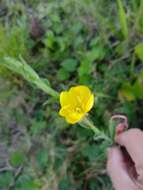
point(65, 110)
point(89, 103)
point(80, 94)
point(64, 98)
point(74, 117)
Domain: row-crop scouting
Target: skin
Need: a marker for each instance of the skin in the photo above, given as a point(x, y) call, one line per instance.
point(125, 160)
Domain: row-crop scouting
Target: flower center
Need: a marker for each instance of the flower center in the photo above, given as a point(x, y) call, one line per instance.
point(78, 110)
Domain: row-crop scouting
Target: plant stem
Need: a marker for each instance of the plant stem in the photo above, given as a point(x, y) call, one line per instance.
point(103, 95)
point(132, 67)
point(40, 84)
point(96, 131)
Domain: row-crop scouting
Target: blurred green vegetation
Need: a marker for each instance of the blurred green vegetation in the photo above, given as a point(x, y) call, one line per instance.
point(98, 43)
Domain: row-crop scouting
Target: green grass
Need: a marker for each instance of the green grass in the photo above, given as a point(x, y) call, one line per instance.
point(57, 45)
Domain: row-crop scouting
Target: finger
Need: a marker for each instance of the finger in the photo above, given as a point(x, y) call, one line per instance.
point(120, 129)
point(117, 170)
point(132, 140)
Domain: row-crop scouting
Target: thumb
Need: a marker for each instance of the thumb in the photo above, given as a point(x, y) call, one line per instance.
point(117, 170)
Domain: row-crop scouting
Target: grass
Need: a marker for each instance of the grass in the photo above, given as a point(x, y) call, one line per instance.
point(64, 43)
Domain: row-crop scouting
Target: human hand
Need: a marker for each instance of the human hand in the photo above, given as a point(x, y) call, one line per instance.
point(125, 161)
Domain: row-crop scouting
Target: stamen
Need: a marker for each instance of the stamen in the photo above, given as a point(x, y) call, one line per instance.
point(78, 110)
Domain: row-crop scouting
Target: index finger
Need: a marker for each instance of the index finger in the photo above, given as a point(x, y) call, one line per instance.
point(132, 140)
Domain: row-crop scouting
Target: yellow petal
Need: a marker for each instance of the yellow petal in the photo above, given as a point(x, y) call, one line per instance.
point(64, 98)
point(65, 110)
point(89, 103)
point(74, 117)
point(71, 120)
point(80, 94)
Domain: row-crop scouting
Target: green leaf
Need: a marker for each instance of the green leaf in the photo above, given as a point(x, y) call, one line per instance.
point(6, 179)
point(122, 17)
point(26, 182)
point(90, 151)
point(92, 185)
point(28, 73)
point(139, 51)
point(121, 48)
point(85, 79)
point(140, 17)
point(65, 183)
point(138, 89)
point(127, 92)
point(76, 27)
point(38, 126)
point(140, 76)
point(46, 81)
point(131, 92)
point(62, 74)
point(85, 68)
point(95, 151)
point(14, 41)
point(49, 40)
point(87, 59)
point(97, 53)
point(69, 64)
point(42, 157)
point(17, 158)
point(78, 41)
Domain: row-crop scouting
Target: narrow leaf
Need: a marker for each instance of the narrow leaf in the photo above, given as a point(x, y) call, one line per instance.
point(122, 17)
point(139, 51)
point(140, 16)
point(26, 71)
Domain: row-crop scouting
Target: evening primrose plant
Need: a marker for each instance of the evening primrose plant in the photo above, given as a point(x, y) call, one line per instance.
point(75, 102)
point(75, 105)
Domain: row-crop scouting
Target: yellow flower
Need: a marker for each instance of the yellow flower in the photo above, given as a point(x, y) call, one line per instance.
point(75, 103)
